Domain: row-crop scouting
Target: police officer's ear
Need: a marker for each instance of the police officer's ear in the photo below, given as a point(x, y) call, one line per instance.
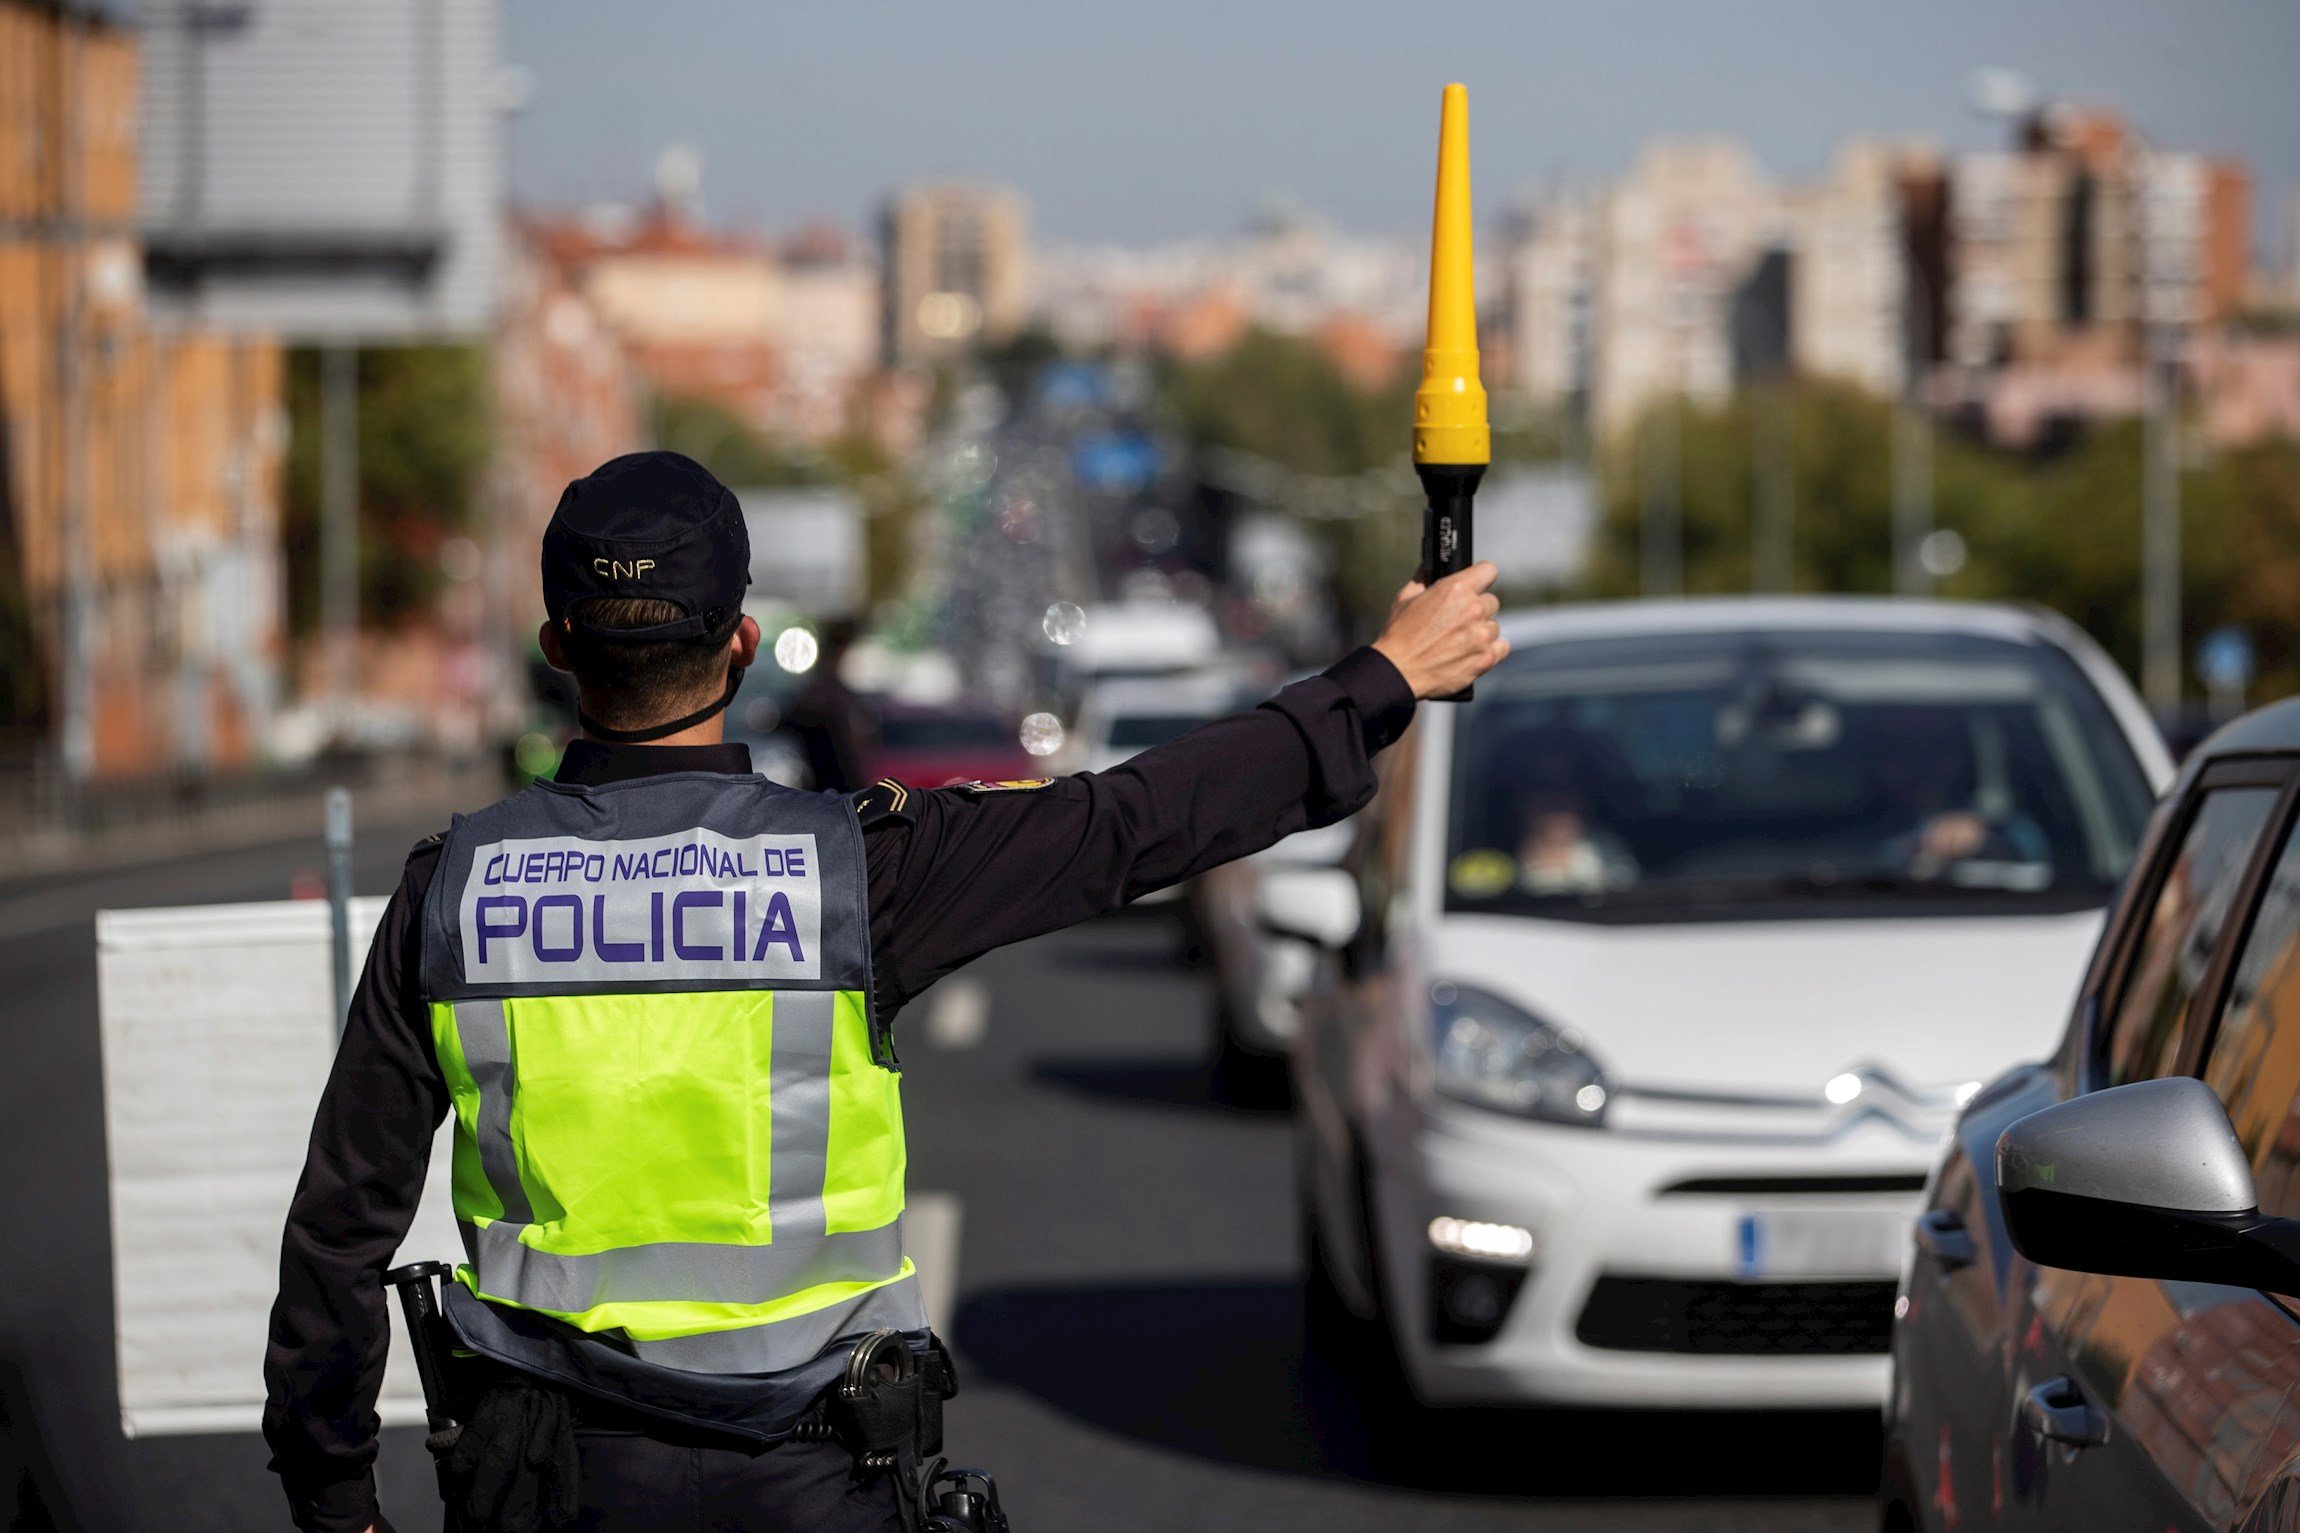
point(555, 646)
point(743, 643)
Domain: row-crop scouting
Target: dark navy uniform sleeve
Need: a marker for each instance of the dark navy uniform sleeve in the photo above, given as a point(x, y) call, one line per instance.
point(955, 872)
point(363, 1175)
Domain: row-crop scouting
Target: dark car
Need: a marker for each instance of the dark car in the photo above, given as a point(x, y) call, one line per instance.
point(2098, 1328)
point(925, 746)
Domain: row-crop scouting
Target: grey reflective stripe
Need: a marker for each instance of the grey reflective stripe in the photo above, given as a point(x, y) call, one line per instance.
point(678, 1271)
point(781, 1344)
point(798, 1156)
point(486, 1040)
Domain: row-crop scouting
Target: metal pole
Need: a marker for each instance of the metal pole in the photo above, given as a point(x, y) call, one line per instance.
point(1662, 550)
point(78, 702)
point(1773, 559)
point(1912, 497)
point(2160, 528)
point(339, 516)
point(1913, 443)
point(339, 900)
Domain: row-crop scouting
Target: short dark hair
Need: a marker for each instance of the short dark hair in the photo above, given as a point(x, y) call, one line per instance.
point(633, 686)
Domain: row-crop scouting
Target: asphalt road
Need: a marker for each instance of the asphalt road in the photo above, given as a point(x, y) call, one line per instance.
point(1127, 1314)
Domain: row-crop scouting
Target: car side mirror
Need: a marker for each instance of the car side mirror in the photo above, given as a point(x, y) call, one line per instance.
point(1322, 846)
point(1317, 905)
point(2146, 1180)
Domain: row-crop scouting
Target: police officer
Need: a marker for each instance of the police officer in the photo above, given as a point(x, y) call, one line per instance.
point(656, 994)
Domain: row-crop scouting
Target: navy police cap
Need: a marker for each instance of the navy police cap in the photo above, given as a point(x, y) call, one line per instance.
point(654, 525)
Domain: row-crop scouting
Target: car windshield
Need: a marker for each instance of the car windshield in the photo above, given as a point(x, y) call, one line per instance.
point(944, 731)
point(1136, 731)
point(1715, 773)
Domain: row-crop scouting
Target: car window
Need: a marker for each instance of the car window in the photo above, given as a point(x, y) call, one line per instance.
point(1139, 731)
point(1843, 773)
point(2255, 1059)
point(2182, 928)
point(944, 731)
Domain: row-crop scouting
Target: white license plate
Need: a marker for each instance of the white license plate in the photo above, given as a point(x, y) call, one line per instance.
point(1801, 1243)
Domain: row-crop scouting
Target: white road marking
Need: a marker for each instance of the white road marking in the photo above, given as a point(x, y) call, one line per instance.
point(930, 1236)
point(959, 1015)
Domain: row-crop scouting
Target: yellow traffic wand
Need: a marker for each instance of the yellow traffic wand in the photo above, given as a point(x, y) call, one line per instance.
point(1451, 443)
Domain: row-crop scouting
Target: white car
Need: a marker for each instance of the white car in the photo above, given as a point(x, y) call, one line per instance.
point(1119, 639)
point(1122, 718)
point(1658, 971)
point(1259, 975)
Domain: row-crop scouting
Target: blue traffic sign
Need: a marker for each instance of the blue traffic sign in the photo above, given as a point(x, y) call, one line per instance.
point(2224, 660)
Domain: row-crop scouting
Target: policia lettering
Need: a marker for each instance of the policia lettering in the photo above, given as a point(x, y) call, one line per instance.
point(623, 982)
point(698, 905)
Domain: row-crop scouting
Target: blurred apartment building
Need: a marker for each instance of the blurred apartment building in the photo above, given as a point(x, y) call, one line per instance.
point(957, 269)
point(1696, 273)
point(2068, 253)
point(782, 335)
point(2016, 288)
point(1865, 266)
point(140, 466)
point(1679, 236)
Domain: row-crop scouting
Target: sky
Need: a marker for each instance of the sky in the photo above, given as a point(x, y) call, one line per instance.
point(1149, 120)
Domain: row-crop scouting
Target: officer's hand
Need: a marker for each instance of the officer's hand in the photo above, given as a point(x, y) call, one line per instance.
point(1443, 637)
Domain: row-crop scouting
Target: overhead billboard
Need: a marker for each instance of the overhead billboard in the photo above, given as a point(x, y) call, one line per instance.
point(323, 171)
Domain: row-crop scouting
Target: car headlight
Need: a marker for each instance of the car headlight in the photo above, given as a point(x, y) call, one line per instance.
point(1498, 1055)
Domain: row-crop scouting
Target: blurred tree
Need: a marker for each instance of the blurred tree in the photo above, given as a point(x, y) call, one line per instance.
point(1281, 399)
point(724, 443)
point(1013, 363)
point(2060, 530)
point(1840, 493)
point(892, 506)
point(1278, 398)
point(424, 438)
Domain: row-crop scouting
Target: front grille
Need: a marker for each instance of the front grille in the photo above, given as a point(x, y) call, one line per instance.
point(1798, 1186)
point(1639, 1314)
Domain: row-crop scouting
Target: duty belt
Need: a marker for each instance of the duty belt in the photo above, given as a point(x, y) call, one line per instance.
point(880, 1397)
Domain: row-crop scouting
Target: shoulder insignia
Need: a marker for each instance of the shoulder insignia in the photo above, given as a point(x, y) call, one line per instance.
point(885, 799)
point(1012, 785)
point(424, 855)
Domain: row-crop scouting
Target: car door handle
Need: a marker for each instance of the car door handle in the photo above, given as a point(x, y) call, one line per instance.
point(1941, 1235)
point(2057, 1411)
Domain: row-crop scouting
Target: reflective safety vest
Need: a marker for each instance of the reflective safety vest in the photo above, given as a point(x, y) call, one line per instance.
point(677, 1125)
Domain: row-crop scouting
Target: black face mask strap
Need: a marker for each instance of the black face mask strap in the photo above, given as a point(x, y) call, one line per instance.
point(592, 726)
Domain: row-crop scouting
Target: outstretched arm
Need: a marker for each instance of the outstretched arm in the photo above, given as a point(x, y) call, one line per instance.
point(955, 872)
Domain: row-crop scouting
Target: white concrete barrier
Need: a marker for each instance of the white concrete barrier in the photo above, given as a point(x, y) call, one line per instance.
point(216, 1042)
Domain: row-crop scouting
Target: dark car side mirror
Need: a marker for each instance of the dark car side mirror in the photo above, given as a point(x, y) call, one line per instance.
point(2146, 1180)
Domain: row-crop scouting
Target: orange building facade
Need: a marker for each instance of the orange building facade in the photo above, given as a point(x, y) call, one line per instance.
point(140, 469)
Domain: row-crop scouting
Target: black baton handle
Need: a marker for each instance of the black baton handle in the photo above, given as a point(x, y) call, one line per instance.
point(427, 1339)
point(1446, 541)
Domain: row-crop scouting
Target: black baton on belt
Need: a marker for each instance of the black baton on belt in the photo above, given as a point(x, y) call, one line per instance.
point(427, 1337)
